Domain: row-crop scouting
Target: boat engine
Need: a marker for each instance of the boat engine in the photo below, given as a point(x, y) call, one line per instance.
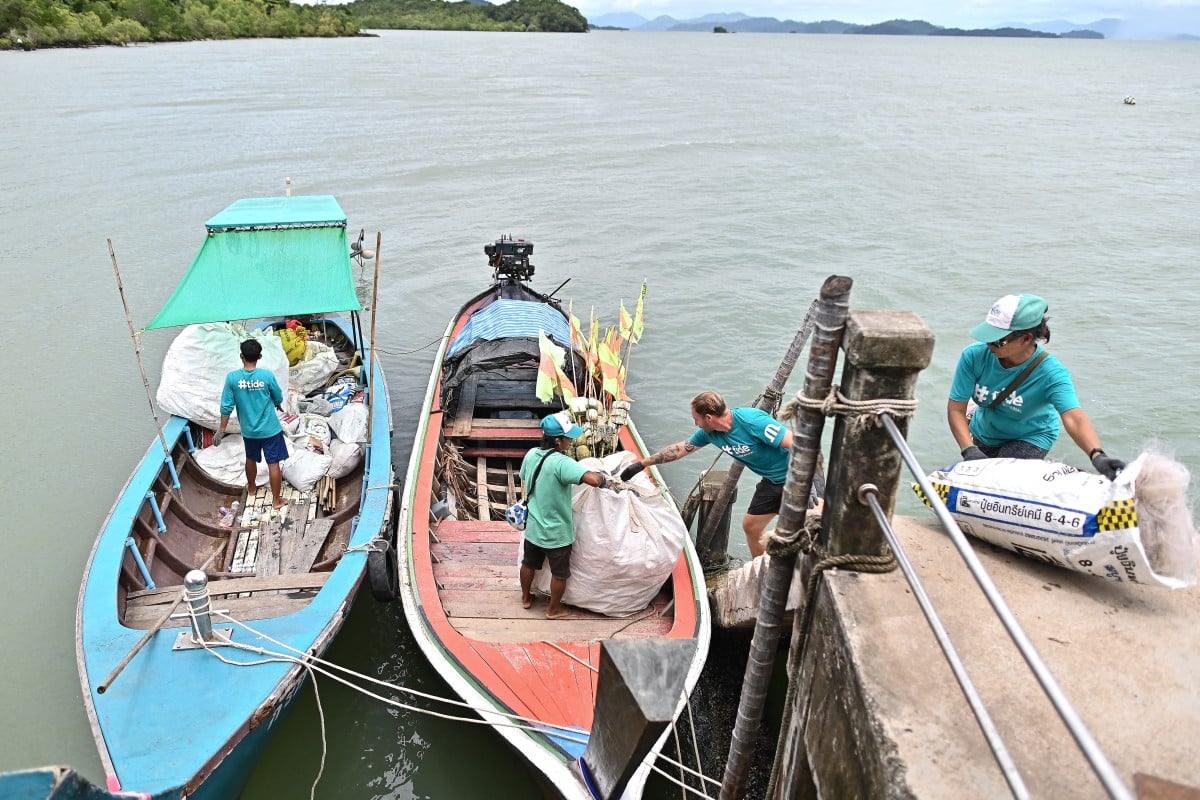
point(509, 259)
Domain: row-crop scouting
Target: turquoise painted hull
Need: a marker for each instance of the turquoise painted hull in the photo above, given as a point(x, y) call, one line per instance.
point(182, 723)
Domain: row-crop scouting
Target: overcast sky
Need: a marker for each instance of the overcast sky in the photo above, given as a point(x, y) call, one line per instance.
point(957, 13)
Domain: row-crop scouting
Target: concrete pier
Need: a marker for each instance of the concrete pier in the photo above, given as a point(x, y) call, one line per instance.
point(883, 716)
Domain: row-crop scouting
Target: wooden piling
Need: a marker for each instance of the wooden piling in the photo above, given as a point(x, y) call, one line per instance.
point(885, 353)
point(713, 515)
point(830, 314)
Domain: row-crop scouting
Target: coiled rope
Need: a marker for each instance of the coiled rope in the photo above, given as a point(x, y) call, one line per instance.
point(837, 404)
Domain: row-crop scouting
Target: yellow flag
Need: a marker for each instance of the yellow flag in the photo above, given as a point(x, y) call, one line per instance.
point(577, 340)
point(625, 324)
point(637, 328)
point(551, 378)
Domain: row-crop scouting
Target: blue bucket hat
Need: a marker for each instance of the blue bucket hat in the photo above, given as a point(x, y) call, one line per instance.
point(1013, 312)
point(561, 424)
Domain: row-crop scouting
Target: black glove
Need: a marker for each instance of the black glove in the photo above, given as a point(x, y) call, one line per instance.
point(972, 453)
point(631, 470)
point(1106, 465)
point(217, 437)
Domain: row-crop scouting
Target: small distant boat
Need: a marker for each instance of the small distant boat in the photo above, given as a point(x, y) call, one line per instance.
point(535, 680)
point(1130, 101)
point(171, 718)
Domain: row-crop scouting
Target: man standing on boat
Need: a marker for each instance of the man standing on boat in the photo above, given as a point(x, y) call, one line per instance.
point(550, 526)
point(256, 394)
point(750, 435)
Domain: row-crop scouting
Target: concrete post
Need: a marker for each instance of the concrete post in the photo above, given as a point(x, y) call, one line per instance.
point(885, 353)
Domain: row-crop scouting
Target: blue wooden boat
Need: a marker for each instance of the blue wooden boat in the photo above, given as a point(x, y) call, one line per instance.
point(171, 718)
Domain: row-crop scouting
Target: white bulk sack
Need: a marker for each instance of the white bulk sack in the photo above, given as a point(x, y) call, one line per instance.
point(311, 372)
point(350, 423)
point(626, 546)
point(194, 370)
point(1136, 528)
point(304, 468)
point(227, 462)
point(345, 455)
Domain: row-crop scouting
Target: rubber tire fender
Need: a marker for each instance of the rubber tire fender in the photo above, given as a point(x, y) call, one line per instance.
point(383, 571)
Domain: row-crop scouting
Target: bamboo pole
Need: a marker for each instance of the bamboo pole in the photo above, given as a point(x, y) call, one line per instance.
point(832, 309)
point(372, 388)
point(137, 351)
point(124, 662)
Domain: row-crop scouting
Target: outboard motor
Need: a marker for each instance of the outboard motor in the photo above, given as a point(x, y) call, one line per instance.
point(509, 260)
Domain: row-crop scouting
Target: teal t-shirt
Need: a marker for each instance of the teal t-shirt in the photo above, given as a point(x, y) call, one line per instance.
point(1030, 413)
point(755, 439)
point(254, 393)
point(550, 523)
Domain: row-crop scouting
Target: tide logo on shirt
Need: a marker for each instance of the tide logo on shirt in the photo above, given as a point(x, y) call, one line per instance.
point(984, 397)
point(243, 383)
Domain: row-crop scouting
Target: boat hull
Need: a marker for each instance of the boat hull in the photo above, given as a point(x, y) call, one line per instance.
point(175, 720)
point(460, 593)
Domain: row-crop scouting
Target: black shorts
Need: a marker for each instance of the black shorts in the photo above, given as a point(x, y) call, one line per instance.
point(768, 498)
point(560, 559)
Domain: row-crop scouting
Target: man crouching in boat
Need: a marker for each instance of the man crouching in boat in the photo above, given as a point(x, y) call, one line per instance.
point(256, 394)
point(1020, 390)
point(550, 527)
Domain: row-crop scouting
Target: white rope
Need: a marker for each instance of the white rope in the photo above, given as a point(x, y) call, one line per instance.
point(312, 795)
point(685, 768)
point(369, 546)
point(675, 780)
point(314, 664)
point(319, 665)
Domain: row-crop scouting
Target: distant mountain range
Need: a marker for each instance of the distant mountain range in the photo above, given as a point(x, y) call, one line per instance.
point(736, 22)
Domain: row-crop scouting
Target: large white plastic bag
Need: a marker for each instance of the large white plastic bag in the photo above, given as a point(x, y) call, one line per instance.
point(227, 462)
point(195, 366)
point(346, 456)
point(350, 423)
point(626, 546)
point(304, 468)
point(311, 372)
point(1136, 528)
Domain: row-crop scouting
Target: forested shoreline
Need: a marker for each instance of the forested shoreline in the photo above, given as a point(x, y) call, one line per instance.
point(35, 24)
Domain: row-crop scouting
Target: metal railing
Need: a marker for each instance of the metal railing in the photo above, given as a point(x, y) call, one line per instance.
point(1100, 764)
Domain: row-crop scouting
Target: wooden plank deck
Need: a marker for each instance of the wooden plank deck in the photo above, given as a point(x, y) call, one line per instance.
point(476, 568)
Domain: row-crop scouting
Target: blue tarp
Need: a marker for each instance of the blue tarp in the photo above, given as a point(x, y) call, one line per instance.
point(507, 318)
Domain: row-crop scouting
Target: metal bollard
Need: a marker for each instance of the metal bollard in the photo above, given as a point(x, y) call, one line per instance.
point(195, 585)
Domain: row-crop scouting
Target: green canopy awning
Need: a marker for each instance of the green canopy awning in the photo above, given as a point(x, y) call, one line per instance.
point(267, 257)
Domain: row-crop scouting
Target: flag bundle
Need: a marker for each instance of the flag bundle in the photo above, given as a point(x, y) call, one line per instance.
point(602, 355)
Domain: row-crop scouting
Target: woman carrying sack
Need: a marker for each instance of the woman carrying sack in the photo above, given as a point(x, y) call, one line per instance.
point(1021, 391)
point(549, 475)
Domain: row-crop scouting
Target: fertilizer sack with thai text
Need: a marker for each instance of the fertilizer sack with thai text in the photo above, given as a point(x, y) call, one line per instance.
point(1136, 528)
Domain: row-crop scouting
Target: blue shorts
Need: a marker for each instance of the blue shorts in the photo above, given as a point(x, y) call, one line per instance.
point(275, 448)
